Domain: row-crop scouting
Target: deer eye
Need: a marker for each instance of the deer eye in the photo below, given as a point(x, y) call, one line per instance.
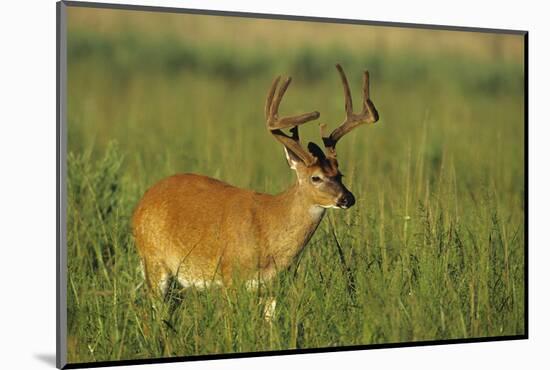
point(316, 179)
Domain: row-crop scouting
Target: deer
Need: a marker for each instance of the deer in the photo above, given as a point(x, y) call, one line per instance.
point(203, 232)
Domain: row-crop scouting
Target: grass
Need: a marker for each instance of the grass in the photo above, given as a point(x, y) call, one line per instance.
point(433, 248)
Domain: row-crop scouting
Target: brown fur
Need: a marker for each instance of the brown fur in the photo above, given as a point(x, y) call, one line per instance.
point(202, 230)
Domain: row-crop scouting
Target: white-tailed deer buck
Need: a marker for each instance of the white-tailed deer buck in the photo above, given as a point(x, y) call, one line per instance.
point(202, 231)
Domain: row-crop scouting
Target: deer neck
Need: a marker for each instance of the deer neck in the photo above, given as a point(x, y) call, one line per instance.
point(304, 208)
point(299, 218)
point(302, 212)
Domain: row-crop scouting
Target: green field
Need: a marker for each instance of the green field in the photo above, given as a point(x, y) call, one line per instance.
point(433, 249)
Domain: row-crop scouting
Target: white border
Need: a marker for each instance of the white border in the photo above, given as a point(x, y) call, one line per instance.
point(27, 189)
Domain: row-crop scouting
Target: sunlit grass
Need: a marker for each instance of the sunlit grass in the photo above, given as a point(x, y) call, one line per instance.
point(433, 248)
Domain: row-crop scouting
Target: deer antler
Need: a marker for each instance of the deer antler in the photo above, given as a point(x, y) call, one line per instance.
point(276, 124)
point(368, 114)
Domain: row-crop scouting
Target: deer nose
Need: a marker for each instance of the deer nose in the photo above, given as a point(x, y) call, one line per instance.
point(347, 200)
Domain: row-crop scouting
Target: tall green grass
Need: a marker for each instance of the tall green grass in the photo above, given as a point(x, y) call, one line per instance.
point(433, 249)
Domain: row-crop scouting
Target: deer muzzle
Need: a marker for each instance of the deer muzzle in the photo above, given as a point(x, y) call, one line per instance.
point(346, 200)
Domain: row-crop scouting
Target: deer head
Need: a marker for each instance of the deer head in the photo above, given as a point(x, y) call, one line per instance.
point(240, 232)
point(318, 172)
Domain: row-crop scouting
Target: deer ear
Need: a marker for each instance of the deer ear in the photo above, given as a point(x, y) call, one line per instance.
point(293, 160)
point(316, 151)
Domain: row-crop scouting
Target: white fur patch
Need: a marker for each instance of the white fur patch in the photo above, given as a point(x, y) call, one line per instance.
point(269, 308)
point(316, 211)
point(198, 283)
point(331, 206)
point(142, 269)
point(292, 163)
point(252, 284)
point(163, 284)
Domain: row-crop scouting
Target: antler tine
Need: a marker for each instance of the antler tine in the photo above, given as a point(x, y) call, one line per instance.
point(275, 104)
point(347, 93)
point(270, 95)
point(276, 124)
point(368, 115)
point(272, 109)
point(366, 89)
point(369, 110)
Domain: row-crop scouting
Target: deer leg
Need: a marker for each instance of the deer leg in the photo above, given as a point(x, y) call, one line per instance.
point(157, 277)
point(269, 304)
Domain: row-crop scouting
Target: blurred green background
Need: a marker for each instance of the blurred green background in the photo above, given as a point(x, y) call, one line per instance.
point(434, 246)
